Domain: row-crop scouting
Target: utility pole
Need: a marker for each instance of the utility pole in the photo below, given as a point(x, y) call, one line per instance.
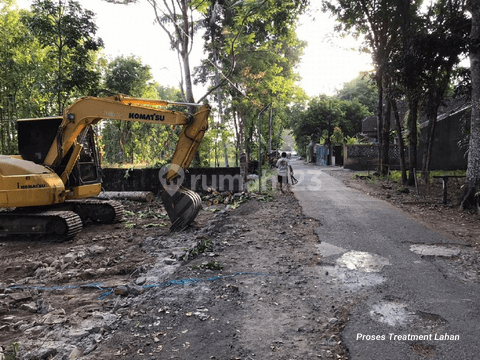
point(260, 148)
point(270, 131)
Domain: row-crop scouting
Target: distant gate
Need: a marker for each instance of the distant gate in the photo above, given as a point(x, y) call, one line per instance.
point(322, 155)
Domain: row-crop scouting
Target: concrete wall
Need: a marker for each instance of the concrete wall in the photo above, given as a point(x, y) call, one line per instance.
point(365, 157)
point(446, 155)
point(197, 179)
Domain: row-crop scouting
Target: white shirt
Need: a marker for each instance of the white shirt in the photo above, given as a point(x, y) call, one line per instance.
point(283, 165)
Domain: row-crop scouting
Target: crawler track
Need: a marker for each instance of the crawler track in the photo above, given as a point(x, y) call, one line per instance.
point(97, 211)
point(62, 221)
point(61, 225)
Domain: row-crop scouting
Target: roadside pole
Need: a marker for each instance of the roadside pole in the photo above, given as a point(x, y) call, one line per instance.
point(260, 149)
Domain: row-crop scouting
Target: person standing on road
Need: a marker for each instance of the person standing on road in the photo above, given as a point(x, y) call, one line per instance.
point(284, 167)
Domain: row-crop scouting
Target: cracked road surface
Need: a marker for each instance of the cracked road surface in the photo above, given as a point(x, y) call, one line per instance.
point(412, 297)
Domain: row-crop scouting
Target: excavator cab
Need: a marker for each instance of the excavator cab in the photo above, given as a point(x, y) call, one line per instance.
point(35, 137)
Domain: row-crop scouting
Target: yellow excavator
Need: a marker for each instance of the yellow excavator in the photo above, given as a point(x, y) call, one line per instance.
point(50, 188)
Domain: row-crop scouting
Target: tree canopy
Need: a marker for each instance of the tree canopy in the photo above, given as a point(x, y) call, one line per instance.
point(67, 32)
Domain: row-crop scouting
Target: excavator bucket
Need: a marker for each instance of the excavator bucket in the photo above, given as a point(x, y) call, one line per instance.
point(182, 207)
point(182, 204)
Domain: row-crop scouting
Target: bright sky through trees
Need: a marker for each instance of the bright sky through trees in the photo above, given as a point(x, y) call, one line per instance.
point(329, 60)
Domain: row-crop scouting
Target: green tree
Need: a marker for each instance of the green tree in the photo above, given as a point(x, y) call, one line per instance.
point(136, 142)
point(440, 49)
point(257, 50)
point(12, 36)
point(124, 75)
point(22, 74)
point(429, 47)
point(327, 118)
point(354, 112)
point(378, 24)
point(324, 113)
point(294, 115)
point(127, 75)
point(67, 32)
point(363, 89)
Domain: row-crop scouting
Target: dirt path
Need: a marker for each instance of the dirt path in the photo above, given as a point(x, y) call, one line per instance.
point(265, 302)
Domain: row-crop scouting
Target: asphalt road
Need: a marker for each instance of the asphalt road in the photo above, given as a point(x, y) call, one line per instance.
point(412, 297)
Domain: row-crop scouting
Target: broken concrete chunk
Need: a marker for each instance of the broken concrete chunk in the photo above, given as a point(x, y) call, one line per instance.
point(141, 280)
point(20, 297)
point(75, 354)
point(69, 257)
point(170, 261)
point(121, 290)
point(43, 353)
point(88, 274)
point(96, 249)
point(35, 330)
point(135, 290)
point(44, 307)
point(57, 264)
point(78, 333)
point(31, 307)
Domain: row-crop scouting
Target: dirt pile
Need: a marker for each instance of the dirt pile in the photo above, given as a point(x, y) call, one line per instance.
point(55, 298)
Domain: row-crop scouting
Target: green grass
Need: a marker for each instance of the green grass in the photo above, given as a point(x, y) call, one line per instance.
point(210, 265)
point(396, 175)
point(12, 351)
point(267, 188)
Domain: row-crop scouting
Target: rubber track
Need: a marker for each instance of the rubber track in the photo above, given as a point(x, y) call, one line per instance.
point(70, 218)
point(96, 203)
point(73, 221)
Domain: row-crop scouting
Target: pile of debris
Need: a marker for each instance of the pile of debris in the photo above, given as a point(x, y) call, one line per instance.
point(215, 197)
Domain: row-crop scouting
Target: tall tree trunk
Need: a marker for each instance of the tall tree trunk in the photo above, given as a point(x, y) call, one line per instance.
point(427, 156)
point(412, 137)
point(473, 167)
point(188, 80)
point(434, 101)
point(386, 137)
point(220, 108)
point(3, 116)
point(379, 79)
point(217, 80)
point(237, 137)
point(185, 51)
point(329, 141)
point(270, 131)
point(401, 143)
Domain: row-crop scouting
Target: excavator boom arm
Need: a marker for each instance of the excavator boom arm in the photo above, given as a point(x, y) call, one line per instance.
point(90, 110)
